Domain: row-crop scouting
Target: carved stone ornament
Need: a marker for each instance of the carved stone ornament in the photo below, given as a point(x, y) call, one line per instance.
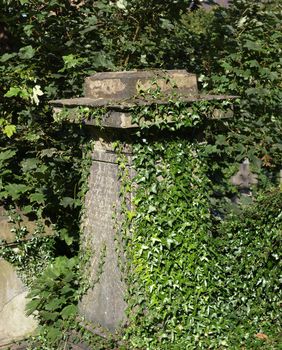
point(244, 179)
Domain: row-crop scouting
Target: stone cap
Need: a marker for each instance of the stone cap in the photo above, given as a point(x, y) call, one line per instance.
point(120, 92)
point(125, 105)
point(128, 84)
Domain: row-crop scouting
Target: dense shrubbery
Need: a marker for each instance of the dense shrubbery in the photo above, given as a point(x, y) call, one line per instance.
point(247, 46)
point(48, 49)
point(196, 284)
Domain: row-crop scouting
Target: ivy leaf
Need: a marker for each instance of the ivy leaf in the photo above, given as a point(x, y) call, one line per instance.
point(242, 21)
point(121, 4)
point(13, 91)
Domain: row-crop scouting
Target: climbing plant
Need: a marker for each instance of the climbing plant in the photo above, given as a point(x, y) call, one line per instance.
point(189, 285)
point(192, 292)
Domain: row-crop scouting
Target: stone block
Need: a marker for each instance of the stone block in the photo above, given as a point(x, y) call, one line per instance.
point(128, 84)
point(14, 324)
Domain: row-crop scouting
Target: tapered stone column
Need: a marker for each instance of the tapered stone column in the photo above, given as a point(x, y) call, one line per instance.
point(104, 302)
point(118, 93)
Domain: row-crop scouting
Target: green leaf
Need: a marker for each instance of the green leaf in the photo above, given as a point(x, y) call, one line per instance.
point(7, 56)
point(64, 235)
point(29, 164)
point(53, 333)
point(37, 197)
point(67, 202)
point(54, 304)
point(10, 130)
point(69, 311)
point(26, 52)
point(66, 290)
point(5, 155)
point(16, 190)
point(32, 306)
point(13, 91)
point(27, 209)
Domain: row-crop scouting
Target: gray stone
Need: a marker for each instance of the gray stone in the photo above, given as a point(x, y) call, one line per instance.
point(244, 179)
point(120, 92)
point(104, 302)
point(14, 324)
point(129, 84)
point(118, 114)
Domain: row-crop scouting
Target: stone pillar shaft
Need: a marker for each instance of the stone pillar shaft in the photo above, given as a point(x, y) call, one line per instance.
point(104, 302)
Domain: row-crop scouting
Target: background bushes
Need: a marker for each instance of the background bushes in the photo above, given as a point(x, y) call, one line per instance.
point(48, 47)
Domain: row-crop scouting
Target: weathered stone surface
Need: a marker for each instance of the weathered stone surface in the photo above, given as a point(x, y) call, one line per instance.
point(118, 115)
point(126, 105)
point(128, 84)
point(14, 324)
point(104, 303)
point(244, 179)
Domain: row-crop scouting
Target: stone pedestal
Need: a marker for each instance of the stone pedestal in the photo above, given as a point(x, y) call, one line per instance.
point(118, 93)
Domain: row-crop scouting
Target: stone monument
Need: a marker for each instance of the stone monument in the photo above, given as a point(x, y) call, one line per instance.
point(117, 93)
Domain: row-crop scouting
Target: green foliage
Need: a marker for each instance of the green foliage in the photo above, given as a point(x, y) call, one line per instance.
point(196, 282)
point(57, 315)
point(249, 247)
point(169, 251)
point(247, 40)
point(51, 47)
point(190, 287)
point(54, 298)
point(30, 252)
